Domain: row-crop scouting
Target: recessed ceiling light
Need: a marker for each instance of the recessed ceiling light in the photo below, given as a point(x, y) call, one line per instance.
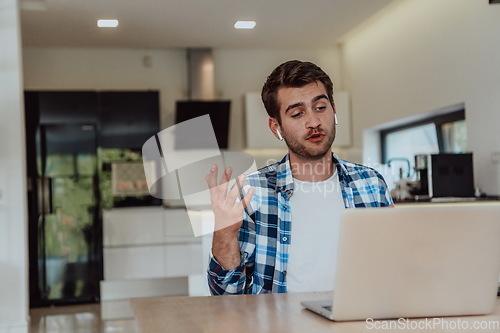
point(107, 23)
point(245, 25)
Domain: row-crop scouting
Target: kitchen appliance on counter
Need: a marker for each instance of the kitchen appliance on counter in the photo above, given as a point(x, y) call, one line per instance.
point(444, 175)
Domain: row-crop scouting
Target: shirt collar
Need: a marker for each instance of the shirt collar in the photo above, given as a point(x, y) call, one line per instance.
point(284, 178)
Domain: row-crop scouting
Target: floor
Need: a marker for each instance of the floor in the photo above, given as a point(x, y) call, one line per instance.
point(77, 319)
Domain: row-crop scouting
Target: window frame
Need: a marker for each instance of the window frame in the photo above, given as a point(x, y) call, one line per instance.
point(438, 121)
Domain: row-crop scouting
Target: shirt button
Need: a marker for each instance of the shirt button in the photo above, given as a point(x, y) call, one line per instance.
point(284, 239)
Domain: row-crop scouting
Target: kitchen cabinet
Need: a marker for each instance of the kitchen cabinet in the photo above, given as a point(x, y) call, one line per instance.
point(148, 252)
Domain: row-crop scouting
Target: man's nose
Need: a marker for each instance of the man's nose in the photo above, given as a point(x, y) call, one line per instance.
point(312, 120)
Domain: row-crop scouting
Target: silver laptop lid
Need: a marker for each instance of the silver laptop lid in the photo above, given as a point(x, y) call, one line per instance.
point(438, 260)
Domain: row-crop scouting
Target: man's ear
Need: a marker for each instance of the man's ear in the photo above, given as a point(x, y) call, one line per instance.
point(274, 126)
point(335, 121)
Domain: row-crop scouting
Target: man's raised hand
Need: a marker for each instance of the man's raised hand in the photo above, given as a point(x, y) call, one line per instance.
point(228, 211)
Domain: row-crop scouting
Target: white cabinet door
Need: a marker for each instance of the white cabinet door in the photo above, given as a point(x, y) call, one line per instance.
point(135, 262)
point(150, 242)
point(143, 262)
point(133, 226)
point(258, 134)
point(183, 260)
point(177, 226)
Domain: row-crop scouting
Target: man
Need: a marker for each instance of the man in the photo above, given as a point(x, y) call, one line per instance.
point(283, 234)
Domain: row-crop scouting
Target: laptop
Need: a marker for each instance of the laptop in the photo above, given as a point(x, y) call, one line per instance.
point(418, 261)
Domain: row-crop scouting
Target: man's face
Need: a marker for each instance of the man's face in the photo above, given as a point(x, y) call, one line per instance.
point(307, 120)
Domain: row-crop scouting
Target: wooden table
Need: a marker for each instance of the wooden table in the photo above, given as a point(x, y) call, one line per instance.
point(275, 313)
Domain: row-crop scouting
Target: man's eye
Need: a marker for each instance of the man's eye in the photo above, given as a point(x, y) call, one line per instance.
point(296, 115)
point(321, 108)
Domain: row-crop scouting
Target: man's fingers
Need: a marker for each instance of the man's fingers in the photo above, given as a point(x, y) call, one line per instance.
point(224, 180)
point(248, 196)
point(226, 175)
point(211, 179)
point(233, 194)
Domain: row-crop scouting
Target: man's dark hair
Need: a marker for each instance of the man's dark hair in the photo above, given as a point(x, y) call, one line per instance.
point(293, 74)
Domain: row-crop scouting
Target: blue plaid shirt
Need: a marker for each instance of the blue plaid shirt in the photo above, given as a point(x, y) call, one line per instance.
point(265, 234)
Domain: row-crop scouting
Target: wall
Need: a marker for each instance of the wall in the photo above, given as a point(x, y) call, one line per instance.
point(425, 55)
point(109, 69)
point(13, 218)
point(237, 71)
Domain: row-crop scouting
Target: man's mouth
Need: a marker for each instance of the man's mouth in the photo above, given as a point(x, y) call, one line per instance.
point(315, 137)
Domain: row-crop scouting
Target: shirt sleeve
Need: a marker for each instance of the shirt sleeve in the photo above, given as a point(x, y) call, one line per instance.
point(225, 282)
point(222, 281)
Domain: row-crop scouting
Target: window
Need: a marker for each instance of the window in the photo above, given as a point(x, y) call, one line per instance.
point(454, 135)
point(438, 134)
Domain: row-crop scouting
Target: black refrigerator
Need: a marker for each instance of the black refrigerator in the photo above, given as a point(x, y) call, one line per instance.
point(66, 133)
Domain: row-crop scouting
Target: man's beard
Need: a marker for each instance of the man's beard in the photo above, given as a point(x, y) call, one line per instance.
point(308, 153)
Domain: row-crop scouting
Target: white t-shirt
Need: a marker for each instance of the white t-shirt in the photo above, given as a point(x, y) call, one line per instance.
point(316, 208)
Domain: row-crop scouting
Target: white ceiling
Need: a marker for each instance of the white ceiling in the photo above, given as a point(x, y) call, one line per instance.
point(193, 23)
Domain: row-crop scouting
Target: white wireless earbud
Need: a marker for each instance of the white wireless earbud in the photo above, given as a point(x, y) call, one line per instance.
point(335, 119)
point(279, 135)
